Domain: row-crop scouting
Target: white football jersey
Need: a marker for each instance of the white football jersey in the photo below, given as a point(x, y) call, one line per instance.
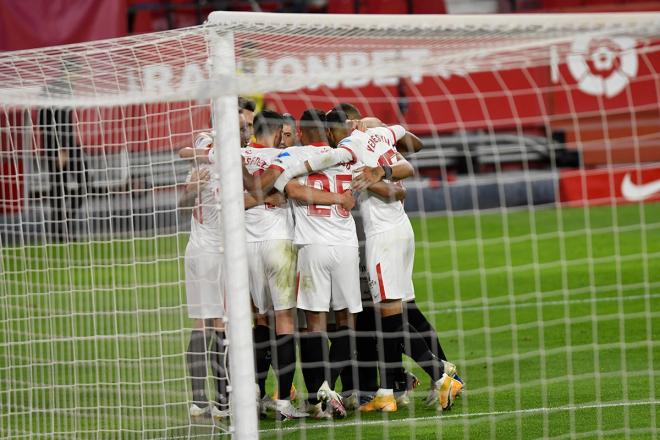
point(265, 222)
point(379, 148)
point(206, 223)
point(321, 224)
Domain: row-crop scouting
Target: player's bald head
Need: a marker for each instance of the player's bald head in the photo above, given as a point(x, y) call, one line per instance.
point(312, 126)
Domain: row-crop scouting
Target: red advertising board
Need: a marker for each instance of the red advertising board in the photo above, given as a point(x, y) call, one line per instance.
point(610, 185)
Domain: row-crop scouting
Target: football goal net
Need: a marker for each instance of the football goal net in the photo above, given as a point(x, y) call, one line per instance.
point(534, 208)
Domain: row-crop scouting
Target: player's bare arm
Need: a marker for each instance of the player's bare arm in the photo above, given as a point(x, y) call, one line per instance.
point(331, 158)
point(371, 122)
point(275, 199)
point(250, 201)
point(199, 178)
point(371, 175)
point(314, 196)
point(196, 154)
point(409, 144)
point(262, 183)
point(388, 191)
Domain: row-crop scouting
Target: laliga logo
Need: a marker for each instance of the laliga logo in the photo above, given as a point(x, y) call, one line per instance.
point(603, 60)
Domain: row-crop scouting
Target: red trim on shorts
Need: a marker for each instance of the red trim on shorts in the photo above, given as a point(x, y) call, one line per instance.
point(297, 283)
point(275, 167)
point(380, 282)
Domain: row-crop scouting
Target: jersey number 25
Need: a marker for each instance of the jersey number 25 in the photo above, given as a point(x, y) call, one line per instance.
point(342, 182)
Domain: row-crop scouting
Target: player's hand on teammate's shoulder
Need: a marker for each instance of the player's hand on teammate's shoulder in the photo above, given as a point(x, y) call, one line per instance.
point(365, 123)
point(366, 177)
point(276, 199)
point(347, 200)
point(356, 124)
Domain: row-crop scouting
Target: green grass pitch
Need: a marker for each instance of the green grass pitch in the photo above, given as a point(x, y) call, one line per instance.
point(552, 316)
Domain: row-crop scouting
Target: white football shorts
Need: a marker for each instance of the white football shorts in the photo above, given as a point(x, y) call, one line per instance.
point(272, 273)
point(390, 258)
point(329, 277)
point(204, 282)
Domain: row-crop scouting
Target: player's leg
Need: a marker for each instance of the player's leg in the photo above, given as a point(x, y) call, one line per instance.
point(384, 259)
point(346, 301)
point(444, 387)
point(388, 339)
point(416, 318)
point(205, 301)
point(220, 367)
point(411, 312)
point(314, 361)
point(214, 301)
point(196, 362)
point(313, 296)
point(280, 258)
point(367, 353)
point(396, 273)
point(261, 332)
point(342, 345)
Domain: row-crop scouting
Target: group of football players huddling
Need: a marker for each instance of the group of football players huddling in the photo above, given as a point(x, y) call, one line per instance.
point(350, 309)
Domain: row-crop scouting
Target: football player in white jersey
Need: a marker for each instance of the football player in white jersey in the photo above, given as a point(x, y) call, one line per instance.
point(328, 272)
point(411, 313)
point(272, 268)
point(204, 286)
point(390, 251)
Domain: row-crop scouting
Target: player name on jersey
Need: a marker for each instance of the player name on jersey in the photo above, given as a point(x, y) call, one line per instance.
point(265, 222)
point(377, 148)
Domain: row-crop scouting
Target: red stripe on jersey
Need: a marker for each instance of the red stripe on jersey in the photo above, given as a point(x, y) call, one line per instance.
point(276, 167)
point(256, 145)
point(350, 151)
point(393, 135)
point(380, 282)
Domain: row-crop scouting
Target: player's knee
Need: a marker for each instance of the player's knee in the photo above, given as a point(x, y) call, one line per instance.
point(390, 307)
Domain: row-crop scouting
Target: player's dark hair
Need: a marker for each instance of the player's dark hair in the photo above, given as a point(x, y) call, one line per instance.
point(246, 104)
point(267, 122)
point(314, 119)
point(344, 111)
point(288, 119)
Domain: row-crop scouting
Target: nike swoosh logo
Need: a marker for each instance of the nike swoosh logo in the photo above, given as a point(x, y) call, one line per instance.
point(637, 193)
